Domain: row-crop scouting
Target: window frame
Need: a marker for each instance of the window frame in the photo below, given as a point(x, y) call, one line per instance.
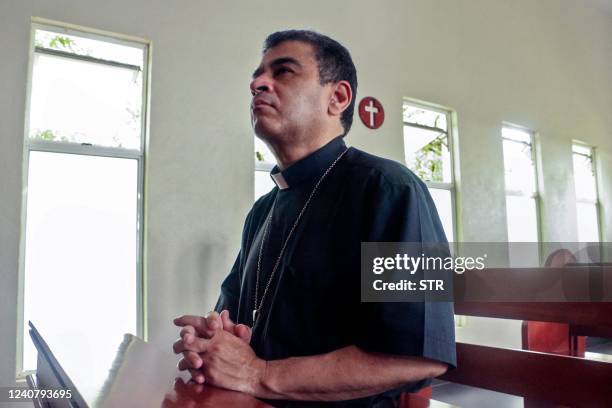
point(597, 201)
point(451, 186)
point(86, 149)
point(535, 195)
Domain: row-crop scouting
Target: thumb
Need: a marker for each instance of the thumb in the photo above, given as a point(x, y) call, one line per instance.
point(244, 332)
point(228, 324)
point(212, 320)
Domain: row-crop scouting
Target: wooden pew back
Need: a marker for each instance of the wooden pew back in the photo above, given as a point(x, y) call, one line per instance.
point(543, 379)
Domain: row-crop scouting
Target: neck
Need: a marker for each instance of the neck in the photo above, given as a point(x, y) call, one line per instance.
point(287, 155)
point(290, 152)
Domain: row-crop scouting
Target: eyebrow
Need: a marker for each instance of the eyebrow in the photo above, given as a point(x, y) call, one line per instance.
point(277, 62)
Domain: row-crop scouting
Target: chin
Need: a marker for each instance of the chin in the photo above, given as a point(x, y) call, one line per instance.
point(265, 132)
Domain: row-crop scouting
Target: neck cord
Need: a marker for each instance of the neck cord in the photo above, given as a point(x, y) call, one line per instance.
point(257, 306)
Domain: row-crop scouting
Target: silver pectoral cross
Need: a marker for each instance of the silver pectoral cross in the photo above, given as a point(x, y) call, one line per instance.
point(254, 315)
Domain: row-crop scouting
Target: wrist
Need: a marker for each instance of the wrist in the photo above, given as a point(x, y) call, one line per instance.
point(268, 386)
point(260, 387)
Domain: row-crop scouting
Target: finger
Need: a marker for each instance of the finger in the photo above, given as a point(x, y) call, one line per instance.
point(213, 323)
point(228, 324)
point(197, 376)
point(193, 359)
point(178, 346)
point(198, 322)
point(188, 329)
point(190, 360)
point(183, 364)
point(195, 343)
point(244, 332)
point(201, 324)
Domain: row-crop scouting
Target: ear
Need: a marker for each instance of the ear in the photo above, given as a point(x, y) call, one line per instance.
point(341, 98)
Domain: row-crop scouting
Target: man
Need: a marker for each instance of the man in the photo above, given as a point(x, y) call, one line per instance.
point(291, 325)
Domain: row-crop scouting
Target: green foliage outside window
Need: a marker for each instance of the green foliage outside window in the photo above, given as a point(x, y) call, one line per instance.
point(428, 160)
point(60, 43)
point(48, 134)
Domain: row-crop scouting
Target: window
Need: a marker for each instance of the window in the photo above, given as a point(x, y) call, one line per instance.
point(522, 204)
point(264, 162)
point(82, 246)
point(587, 204)
point(428, 153)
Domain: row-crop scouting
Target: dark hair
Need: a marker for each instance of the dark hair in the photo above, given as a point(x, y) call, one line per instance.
point(334, 60)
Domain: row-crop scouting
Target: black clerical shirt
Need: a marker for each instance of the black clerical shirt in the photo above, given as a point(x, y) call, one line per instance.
point(313, 302)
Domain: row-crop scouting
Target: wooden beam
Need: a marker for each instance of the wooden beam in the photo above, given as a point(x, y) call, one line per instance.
point(544, 377)
point(575, 313)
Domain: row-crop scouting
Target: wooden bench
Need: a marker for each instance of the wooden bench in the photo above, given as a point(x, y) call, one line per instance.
point(543, 379)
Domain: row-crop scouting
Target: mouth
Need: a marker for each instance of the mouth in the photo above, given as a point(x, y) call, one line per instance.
point(259, 104)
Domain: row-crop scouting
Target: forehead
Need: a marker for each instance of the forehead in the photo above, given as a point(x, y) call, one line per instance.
point(300, 51)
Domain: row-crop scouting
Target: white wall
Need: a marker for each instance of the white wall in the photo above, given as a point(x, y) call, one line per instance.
point(544, 65)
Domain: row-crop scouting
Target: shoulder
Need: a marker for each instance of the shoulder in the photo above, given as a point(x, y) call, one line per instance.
point(369, 168)
point(264, 201)
point(258, 211)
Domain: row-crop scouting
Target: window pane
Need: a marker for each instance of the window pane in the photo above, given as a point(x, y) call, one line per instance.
point(588, 228)
point(425, 117)
point(263, 155)
point(89, 47)
point(427, 154)
point(584, 150)
point(584, 177)
point(444, 205)
point(263, 183)
point(522, 219)
point(264, 162)
point(519, 168)
point(81, 249)
point(85, 102)
point(522, 227)
point(516, 134)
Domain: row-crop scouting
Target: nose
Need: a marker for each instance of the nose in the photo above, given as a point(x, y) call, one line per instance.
point(260, 84)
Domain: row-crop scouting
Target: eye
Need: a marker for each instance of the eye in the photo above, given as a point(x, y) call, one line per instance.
point(281, 70)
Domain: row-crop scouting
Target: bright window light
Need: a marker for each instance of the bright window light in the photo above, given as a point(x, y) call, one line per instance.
point(586, 194)
point(522, 219)
point(587, 218)
point(82, 246)
point(519, 167)
point(264, 163)
point(521, 196)
point(84, 102)
point(427, 150)
point(444, 204)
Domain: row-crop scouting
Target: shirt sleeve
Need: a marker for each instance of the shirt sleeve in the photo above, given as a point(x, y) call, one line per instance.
point(230, 291)
point(403, 211)
point(230, 288)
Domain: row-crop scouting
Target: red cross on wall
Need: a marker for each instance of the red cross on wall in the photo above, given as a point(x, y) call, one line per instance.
point(371, 112)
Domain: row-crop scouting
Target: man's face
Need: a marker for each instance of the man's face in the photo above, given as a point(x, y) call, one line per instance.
point(288, 100)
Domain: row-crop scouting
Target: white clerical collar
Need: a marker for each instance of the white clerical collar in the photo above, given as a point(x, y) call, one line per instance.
point(309, 167)
point(280, 181)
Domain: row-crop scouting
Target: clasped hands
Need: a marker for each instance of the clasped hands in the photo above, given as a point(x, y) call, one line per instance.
point(216, 351)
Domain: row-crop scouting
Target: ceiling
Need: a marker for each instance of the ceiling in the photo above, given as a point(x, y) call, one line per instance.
point(602, 5)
